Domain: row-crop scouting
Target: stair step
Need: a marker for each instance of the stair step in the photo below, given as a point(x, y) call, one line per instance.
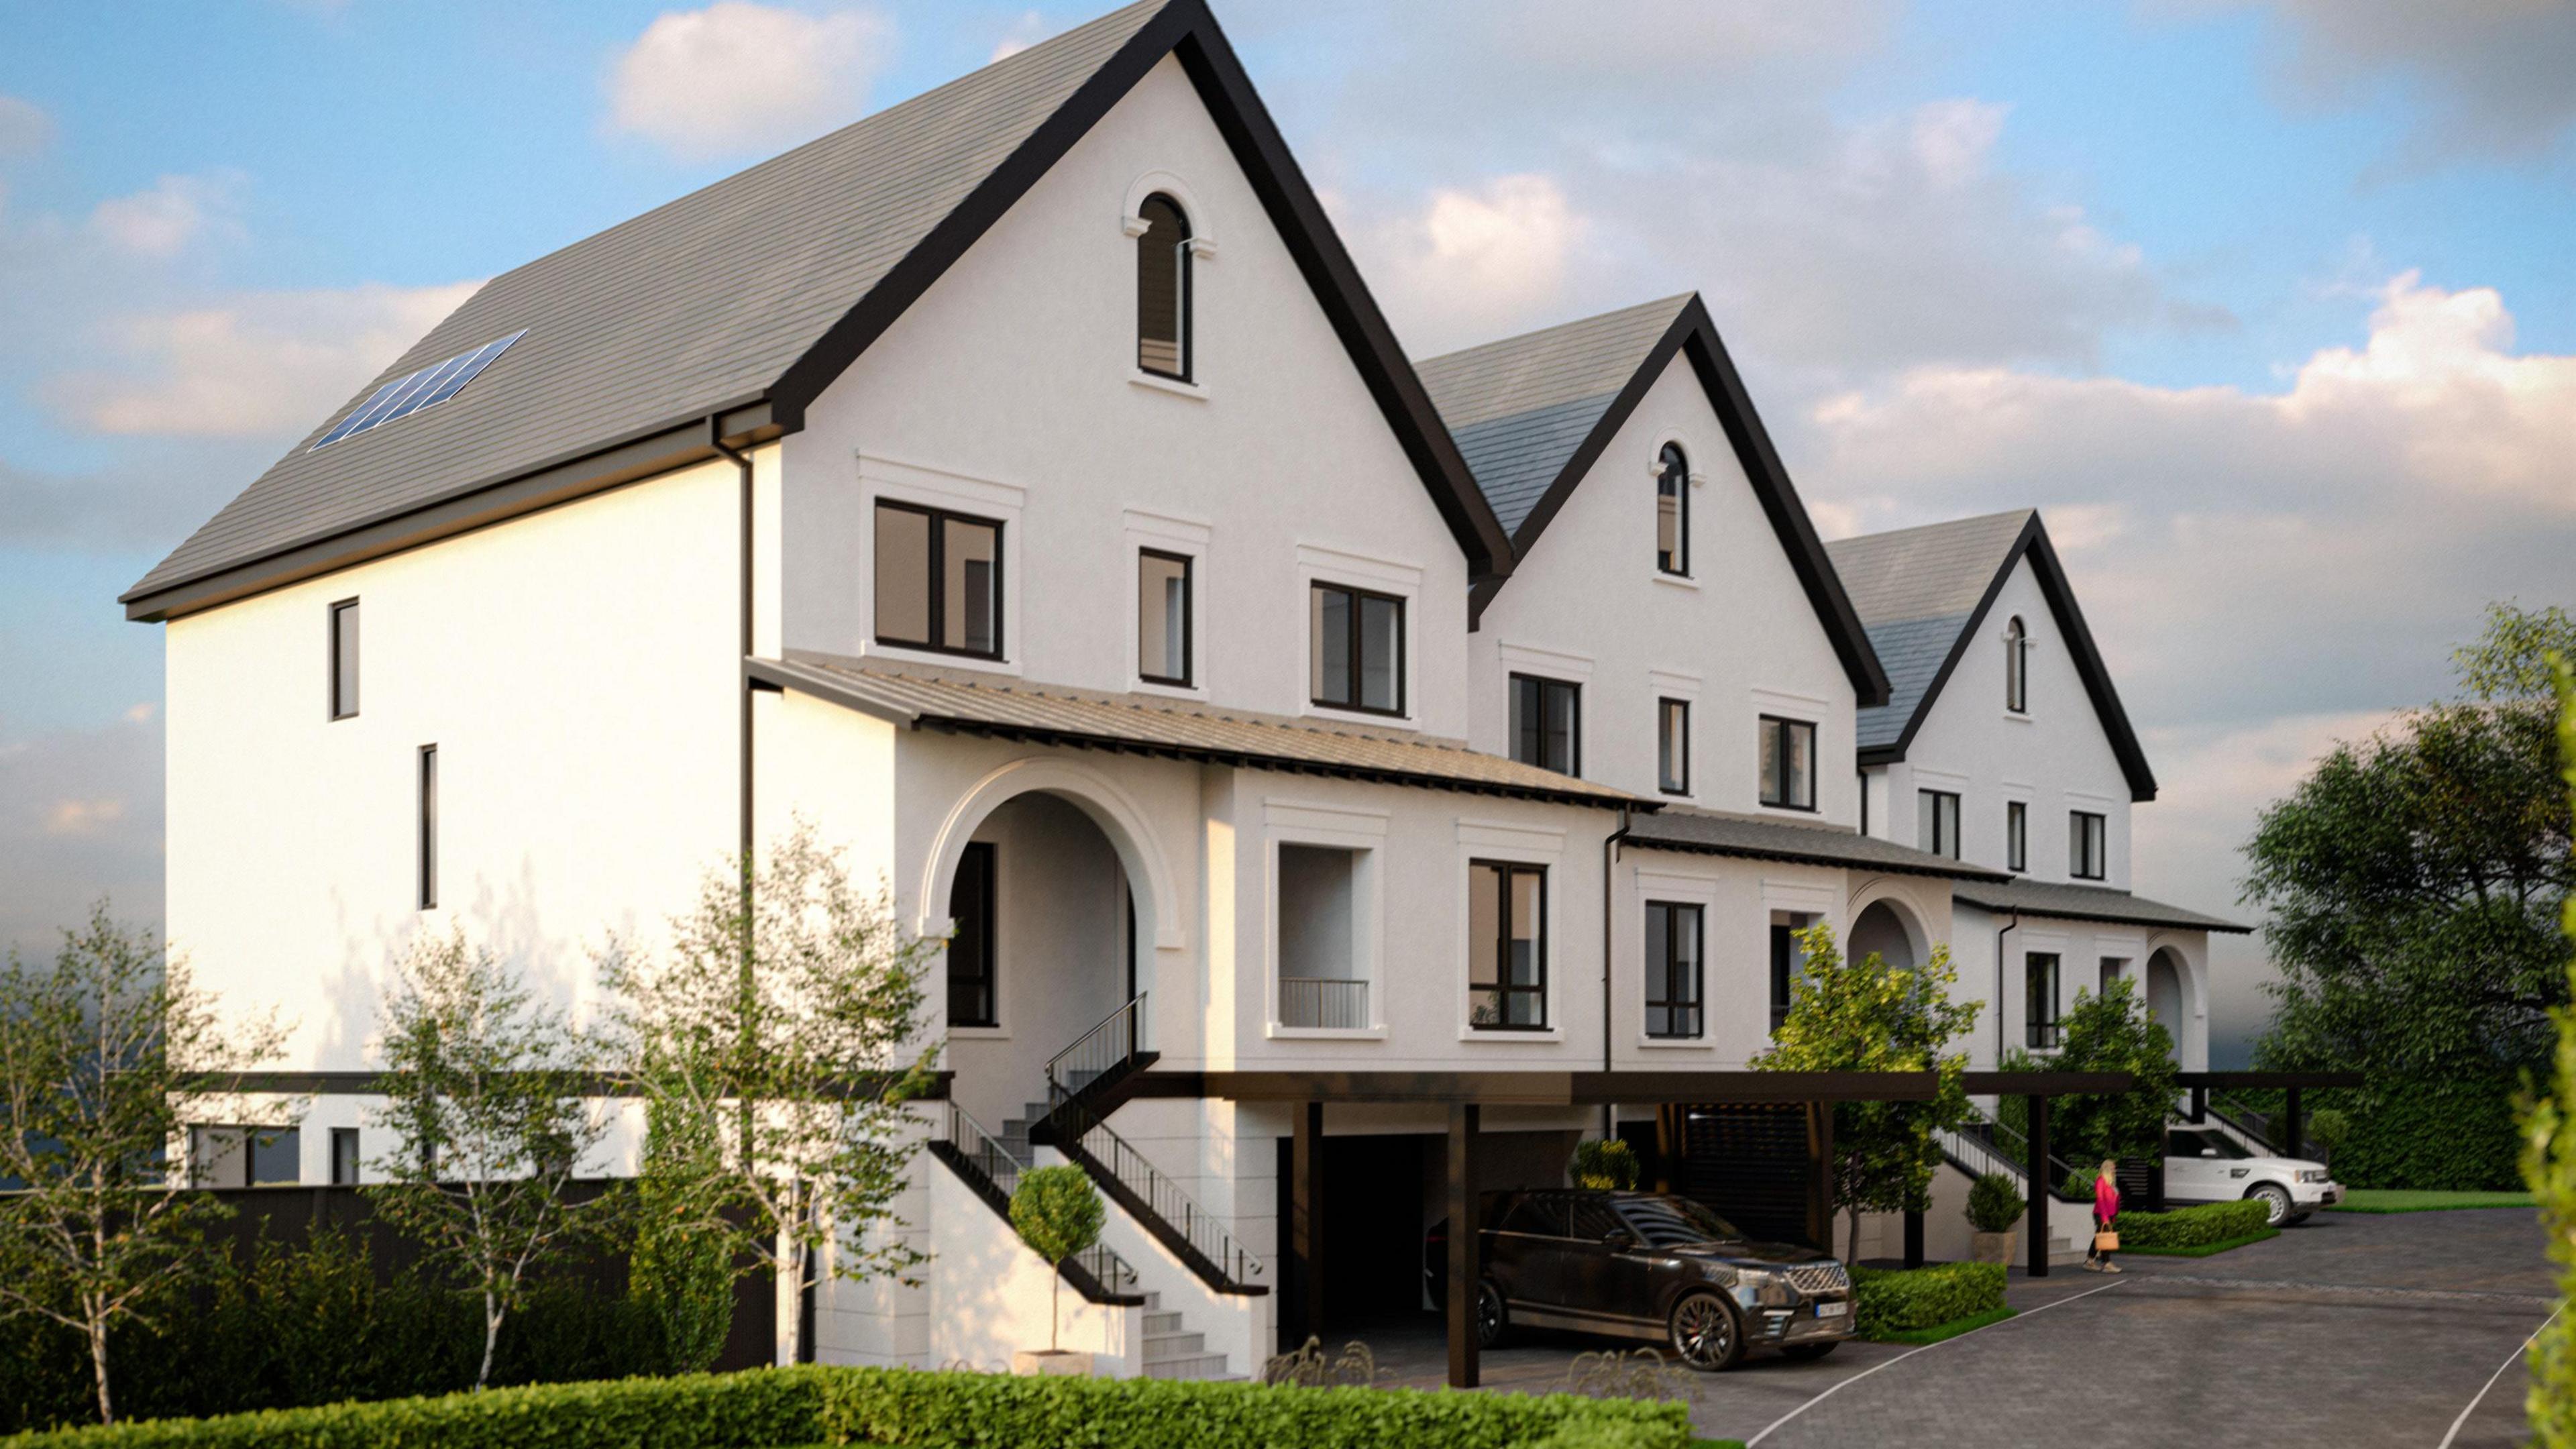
point(1153, 1301)
point(1161, 1321)
point(1201, 1366)
point(1174, 1344)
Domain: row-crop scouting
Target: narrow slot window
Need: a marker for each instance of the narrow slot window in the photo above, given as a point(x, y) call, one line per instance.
point(2016, 836)
point(344, 659)
point(1163, 625)
point(1672, 746)
point(1672, 511)
point(1673, 970)
point(973, 999)
point(428, 882)
point(2039, 1000)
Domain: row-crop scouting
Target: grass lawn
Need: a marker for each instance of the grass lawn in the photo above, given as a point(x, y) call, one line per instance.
point(2410, 1200)
point(1951, 1329)
point(2203, 1250)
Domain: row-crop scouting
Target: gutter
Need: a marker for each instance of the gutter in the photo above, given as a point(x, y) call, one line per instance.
point(1609, 862)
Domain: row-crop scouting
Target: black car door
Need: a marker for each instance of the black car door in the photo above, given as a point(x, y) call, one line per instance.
point(1523, 1249)
point(1605, 1277)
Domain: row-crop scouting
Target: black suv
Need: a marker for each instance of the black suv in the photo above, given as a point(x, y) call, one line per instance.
point(1646, 1265)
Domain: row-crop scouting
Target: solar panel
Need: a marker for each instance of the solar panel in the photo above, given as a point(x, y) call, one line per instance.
point(409, 394)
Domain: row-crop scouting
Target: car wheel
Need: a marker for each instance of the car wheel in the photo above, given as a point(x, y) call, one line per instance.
point(1808, 1352)
point(2296, 1219)
point(1704, 1333)
point(1492, 1320)
point(2275, 1199)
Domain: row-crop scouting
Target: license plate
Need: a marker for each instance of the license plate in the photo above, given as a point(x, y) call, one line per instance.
point(1831, 1310)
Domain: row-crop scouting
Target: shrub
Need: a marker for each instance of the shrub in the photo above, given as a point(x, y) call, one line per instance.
point(2191, 1227)
point(807, 1404)
point(1895, 1300)
point(1607, 1163)
point(1057, 1212)
point(1995, 1203)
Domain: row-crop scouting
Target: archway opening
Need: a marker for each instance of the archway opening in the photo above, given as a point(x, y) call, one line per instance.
point(2164, 996)
point(1881, 930)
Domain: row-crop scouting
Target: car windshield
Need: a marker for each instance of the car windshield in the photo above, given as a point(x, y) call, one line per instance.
point(1671, 1222)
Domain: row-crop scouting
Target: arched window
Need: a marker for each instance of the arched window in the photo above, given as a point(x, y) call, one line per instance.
point(1163, 288)
point(1672, 511)
point(2016, 667)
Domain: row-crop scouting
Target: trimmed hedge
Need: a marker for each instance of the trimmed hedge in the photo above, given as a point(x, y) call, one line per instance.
point(1898, 1300)
point(765, 1408)
point(2190, 1227)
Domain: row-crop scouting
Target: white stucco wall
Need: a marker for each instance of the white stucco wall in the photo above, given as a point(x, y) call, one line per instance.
point(1738, 638)
point(1010, 390)
point(2081, 947)
point(2056, 757)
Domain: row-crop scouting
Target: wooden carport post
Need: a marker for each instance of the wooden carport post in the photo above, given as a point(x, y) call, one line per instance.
point(1465, 1226)
point(2293, 1124)
point(1306, 1162)
point(2038, 1183)
point(1820, 1191)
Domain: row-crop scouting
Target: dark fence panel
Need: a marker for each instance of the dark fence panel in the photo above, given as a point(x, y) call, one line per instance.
point(1750, 1164)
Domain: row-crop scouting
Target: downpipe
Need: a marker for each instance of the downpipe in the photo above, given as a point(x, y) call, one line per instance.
point(1609, 871)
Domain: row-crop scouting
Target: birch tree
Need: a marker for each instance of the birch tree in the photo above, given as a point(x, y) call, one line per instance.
point(786, 1017)
point(106, 1055)
point(485, 1092)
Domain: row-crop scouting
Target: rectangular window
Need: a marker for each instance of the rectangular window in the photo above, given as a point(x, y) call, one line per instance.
point(1938, 822)
point(1163, 642)
point(1672, 517)
point(2016, 835)
point(1358, 649)
point(972, 997)
point(2039, 999)
point(1547, 723)
point(2084, 846)
point(344, 1156)
point(1672, 746)
point(1673, 936)
point(344, 659)
point(1506, 946)
point(1788, 763)
point(428, 827)
point(1787, 960)
point(1319, 981)
point(2112, 969)
point(218, 1157)
point(939, 580)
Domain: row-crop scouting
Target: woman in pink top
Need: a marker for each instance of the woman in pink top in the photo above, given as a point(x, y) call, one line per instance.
point(2106, 1210)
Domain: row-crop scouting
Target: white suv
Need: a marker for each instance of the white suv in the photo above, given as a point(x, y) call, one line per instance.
point(2204, 1164)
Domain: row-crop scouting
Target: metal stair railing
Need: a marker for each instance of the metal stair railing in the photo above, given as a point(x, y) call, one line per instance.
point(1984, 1144)
point(1113, 1042)
point(984, 1154)
point(2247, 1121)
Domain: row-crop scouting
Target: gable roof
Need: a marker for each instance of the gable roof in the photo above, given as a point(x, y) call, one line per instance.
point(1924, 592)
point(1531, 415)
point(719, 317)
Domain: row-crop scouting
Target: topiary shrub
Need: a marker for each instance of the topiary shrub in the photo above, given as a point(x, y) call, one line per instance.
point(1605, 1163)
point(1995, 1203)
point(1899, 1300)
point(2191, 1227)
point(1057, 1212)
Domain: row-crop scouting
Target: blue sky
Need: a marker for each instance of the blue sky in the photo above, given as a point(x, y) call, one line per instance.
point(2269, 303)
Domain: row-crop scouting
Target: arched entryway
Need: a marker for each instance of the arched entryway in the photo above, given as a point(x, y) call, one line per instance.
point(2165, 995)
point(1882, 928)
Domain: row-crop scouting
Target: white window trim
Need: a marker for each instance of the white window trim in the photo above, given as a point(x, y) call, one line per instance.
point(1188, 537)
point(1514, 844)
point(1292, 822)
point(1317, 564)
point(899, 482)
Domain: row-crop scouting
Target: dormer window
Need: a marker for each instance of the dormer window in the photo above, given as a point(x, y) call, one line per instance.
point(1163, 289)
point(2016, 667)
point(1672, 511)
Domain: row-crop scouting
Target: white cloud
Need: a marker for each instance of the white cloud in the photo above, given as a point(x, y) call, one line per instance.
point(80, 816)
point(159, 222)
point(1027, 30)
point(740, 77)
point(1478, 261)
point(24, 127)
point(266, 363)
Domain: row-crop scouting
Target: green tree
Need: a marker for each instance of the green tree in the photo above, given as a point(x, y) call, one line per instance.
point(785, 1022)
point(2413, 881)
point(1868, 1017)
point(1057, 1212)
point(484, 1087)
point(681, 1274)
point(2112, 1032)
point(2549, 1152)
point(106, 1057)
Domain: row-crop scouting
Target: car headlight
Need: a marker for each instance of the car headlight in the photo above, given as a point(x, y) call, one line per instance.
point(1770, 1289)
point(2312, 1175)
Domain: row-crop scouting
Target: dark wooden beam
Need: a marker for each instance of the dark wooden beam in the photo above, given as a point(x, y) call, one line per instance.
point(1307, 1159)
point(1913, 1237)
point(2054, 1084)
point(1556, 1089)
point(2038, 1184)
point(2258, 1081)
point(1466, 1225)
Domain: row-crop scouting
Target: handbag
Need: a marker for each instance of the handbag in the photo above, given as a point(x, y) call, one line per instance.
point(2106, 1241)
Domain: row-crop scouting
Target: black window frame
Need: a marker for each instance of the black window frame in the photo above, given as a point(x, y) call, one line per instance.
point(2017, 836)
point(1666, 976)
point(426, 777)
point(2042, 1030)
point(1673, 473)
point(1519, 715)
point(1777, 729)
point(1672, 742)
point(1359, 666)
point(345, 1137)
point(935, 572)
point(1785, 961)
point(1183, 343)
point(1189, 618)
point(344, 670)
point(1501, 948)
point(1933, 847)
point(2017, 666)
point(979, 856)
point(2083, 844)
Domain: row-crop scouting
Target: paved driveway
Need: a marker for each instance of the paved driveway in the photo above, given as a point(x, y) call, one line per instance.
point(2348, 1330)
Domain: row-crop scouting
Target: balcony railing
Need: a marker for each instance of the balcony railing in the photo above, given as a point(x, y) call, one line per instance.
point(1323, 1001)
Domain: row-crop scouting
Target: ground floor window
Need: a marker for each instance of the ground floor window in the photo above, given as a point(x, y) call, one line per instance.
point(1506, 946)
point(344, 1156)
point(1787, 959)
point(2039, 999)
point(972, 998)
point(1673, 970)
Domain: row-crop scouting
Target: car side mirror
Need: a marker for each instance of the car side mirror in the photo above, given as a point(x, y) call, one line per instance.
point(1618, 1240)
